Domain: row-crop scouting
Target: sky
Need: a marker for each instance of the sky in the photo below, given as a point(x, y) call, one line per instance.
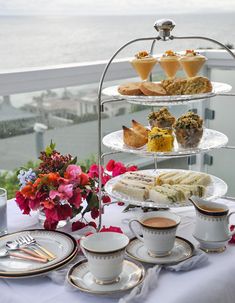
point(112, 7)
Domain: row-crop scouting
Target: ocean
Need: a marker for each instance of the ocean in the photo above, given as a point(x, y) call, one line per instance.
point(37, 41)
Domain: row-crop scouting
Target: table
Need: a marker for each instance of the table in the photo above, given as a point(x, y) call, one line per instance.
point(213, 283)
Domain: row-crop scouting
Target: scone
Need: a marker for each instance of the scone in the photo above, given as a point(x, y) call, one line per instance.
point(133, 138)
point(152, 89)
point(130, 89)
point(197, 85)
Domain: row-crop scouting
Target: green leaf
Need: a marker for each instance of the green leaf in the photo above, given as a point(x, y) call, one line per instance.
point(50, 148)
point(93, 200)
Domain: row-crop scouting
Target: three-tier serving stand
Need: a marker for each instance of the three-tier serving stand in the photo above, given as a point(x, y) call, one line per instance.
point(164, 28)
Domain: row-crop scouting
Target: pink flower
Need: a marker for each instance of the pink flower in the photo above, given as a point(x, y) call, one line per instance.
point(76, 198)
point(54, 215)
point(114, 229)
point(119, 169)
point(132, 168)
point(73, 172)
point(110, 165)
point(66, 190)
point(94, 171)
point(105, 179)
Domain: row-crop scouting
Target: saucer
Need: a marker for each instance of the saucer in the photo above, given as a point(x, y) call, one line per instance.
point(182, 250)
point(80, 277)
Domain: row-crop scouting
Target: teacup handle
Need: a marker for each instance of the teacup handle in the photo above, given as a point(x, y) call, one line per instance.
point(81, 247)
point(133, 231)
point(233, 232)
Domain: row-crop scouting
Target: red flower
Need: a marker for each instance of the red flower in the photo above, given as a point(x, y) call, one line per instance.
point(50, 225)
point(106, 199)
point(23, 203)
point(114, 229)
point(94, 213)
point(92, 223)
point(232, 241)
point(110, 165)
point(77, 225)
point(120, 203)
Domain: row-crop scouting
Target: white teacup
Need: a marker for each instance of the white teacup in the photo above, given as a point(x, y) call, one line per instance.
point(105, 254)
point(158, 238)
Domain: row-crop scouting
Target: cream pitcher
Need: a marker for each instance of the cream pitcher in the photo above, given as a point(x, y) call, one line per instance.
point(212, 225)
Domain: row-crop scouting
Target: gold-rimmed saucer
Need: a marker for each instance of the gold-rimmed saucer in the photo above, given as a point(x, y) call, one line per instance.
point(182, 250)
point(80, 277)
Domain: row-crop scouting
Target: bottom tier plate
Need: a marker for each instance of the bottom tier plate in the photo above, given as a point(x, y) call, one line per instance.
point(216, 189)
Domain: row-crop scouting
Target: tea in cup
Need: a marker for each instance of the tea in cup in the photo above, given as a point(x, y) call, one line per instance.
point(105, 254)
point(159, 231)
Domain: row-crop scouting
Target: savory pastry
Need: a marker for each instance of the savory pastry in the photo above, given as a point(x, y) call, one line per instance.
point(138, 127)
point(133, 138)
point(184, 178)
point(152, 89)
point(159, 140)
point(192, 62)
point(143, 63)
point(197, 85)
point(170, 63)
point(188, 130)
point(162, 119)
point(130, 89)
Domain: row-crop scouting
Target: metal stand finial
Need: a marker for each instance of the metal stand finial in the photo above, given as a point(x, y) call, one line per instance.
point(164, 27)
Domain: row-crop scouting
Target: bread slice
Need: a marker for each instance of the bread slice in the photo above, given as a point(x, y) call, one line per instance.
point(152, 89)
point(130, 89)
point(133, 138)
point(138, 127)
point(131, 189)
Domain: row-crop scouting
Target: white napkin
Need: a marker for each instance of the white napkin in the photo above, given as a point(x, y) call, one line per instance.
point(139, 293)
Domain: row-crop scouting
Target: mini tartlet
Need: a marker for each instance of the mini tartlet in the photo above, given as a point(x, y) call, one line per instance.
point(170, 63)
point(192, 62)
point(143, 63)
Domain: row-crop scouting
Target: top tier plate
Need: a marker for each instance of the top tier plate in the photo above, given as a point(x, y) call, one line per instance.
point(218, 88)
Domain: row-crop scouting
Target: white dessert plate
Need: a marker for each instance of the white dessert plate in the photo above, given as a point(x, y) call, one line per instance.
point(182, 250)
point(218, 88)
point(60, 244)
point(211, 139)
point(80, 277)
point(217, 188)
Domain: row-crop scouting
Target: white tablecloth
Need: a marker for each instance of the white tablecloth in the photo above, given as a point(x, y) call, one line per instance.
point(213, 283)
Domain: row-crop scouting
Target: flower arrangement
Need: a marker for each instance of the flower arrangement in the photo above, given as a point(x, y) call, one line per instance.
point(63, 190)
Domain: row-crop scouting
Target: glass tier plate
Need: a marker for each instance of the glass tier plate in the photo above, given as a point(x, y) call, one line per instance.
point(211, 139)
point(216, 189)
point(218, 88)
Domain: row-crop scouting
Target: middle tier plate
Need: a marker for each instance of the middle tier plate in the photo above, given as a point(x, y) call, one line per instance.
point(211, 139)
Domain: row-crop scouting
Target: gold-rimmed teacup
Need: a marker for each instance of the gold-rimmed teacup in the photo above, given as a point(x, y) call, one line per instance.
point(105, 254)
point(158, 238)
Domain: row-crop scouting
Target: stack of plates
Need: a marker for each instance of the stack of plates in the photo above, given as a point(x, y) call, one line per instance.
point(60, 244)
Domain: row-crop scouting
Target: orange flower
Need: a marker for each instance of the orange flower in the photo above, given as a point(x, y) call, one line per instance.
point(28, 190)
point(49, 179)
point(49, 204)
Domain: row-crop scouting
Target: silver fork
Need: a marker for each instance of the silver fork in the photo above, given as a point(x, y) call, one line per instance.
point(23, 244)
point(31, 241)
